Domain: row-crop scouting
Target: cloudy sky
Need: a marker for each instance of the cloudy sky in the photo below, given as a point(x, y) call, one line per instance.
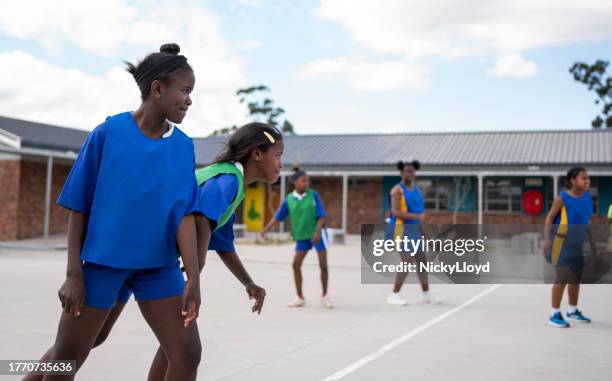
point(336, 66)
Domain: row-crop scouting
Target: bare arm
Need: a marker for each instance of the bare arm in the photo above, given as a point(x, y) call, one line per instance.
point(269, 226)
point(550, 217)
point(317, 235)
point(186, 240)
point(204, 233)
point(77, 225)
point(234, 264)
point(72, 291)
point(592, 241)
point(395, 208)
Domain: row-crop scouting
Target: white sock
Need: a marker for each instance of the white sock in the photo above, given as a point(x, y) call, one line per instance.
point(554, 311)
point(572, 309)
point(426, 293)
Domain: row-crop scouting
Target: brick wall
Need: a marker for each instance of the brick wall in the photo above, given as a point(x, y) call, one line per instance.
point(58, 220)
point(364, 203)
point(9, 198)
point(31, 199)
point(447, 217)
point(22, 185)
point(31, 212)
point(330, 191)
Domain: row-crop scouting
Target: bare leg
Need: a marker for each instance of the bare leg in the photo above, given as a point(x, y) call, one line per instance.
point(573, 289)
point(76, 337)
point(159, 367)
point(181, 345)
point(400, 277)
point(324, 272)
point(297, 271)
point(44, 358)
point(557, 294)
point(104, 332)
point(573, 286)
point(564, 277)
point(422, 274)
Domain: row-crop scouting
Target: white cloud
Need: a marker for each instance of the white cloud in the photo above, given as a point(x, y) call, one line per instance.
point(92, 26)
point(384, 76)
point(53, 94)
point(70, 96)
point(246, 3)
point(369, 75)
point(249, 44)
point(323, 67)
point(513, 65)
point(450, 29)
point(417, 28)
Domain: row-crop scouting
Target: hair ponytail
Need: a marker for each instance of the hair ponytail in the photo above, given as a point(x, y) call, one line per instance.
point(414, 164)
point(245, 139)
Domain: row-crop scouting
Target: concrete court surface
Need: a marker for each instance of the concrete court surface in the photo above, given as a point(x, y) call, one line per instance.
point(479, 332)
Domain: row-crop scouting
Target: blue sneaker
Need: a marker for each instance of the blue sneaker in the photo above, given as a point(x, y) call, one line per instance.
point(577, 316)
point(556, 320)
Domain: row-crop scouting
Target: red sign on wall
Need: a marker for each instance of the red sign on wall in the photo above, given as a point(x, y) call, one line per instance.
point(533, 202)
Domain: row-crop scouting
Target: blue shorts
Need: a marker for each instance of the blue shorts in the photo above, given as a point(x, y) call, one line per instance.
point(105, 285)
point(410, 231)
point(564, 254)
point(306, 244)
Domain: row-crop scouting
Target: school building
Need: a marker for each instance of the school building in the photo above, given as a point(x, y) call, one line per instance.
point(479, 177)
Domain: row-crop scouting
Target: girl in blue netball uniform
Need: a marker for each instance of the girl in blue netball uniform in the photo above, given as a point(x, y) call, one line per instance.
point(407, 213)
point(252, 153)
point(565, 231)
point(130, 188)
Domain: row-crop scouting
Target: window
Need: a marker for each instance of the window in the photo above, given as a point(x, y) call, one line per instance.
point(435, 192)
point(503, 195)
point(356, 182)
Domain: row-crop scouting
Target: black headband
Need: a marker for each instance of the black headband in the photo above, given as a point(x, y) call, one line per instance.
point(297, 174)
point(165, 64)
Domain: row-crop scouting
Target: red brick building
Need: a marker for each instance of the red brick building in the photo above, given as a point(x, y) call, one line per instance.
point(35, 160)
point(465, 177)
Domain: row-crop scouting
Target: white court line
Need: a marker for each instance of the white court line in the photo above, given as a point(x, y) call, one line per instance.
point(381, 351)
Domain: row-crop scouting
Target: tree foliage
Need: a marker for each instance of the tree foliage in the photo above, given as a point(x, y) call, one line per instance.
point(594, 76)
point(261, 109)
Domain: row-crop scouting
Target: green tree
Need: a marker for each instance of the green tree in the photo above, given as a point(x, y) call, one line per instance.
point(594, 76)
point(261, 109)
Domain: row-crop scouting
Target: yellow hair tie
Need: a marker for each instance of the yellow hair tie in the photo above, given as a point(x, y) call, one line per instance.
point(270, 138)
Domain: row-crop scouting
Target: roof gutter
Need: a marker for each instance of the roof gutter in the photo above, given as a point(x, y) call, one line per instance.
point(39, 152)
point(10, 139)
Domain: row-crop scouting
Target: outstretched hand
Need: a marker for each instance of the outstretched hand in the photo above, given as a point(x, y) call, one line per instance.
point(72, 295)
point(191, 302)
point(258, 294)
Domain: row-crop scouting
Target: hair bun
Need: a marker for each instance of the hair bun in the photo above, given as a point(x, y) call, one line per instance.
point(170, 48)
